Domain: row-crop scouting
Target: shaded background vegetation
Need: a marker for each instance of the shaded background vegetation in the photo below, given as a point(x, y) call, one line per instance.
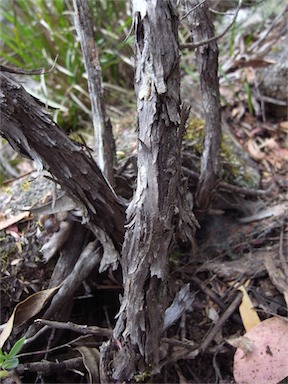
point(41, 33)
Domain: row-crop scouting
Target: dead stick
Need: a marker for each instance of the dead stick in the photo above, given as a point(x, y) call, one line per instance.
point(49, 366)
point(213, 296)
point(229, 187)
point(229, 311)
point(83, 329)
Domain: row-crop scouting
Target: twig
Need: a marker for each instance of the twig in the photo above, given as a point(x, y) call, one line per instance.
point(275, 21)
point(214, 38)
point(35, 335)
point(216, 366)
point(178, 350)
point(271, 100)
point(208, 292)
point(229, 187)
point(192, 9)
point(213, 296)
point(8, 181)
point(243, 191)
point(49, 366)
point(32, 72)
point(229, 311)
point(70, 344)
point(83, 329)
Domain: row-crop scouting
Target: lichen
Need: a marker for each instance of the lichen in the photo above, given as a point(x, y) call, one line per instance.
point(25, 185)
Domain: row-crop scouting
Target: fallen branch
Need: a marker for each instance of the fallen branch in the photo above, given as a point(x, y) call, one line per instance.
point(228, 313)
point(48, 367)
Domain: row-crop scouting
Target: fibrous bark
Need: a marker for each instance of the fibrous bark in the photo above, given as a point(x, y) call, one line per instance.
point(105, 145)
point(30, 131)
point(202, 29)
point(151, 212)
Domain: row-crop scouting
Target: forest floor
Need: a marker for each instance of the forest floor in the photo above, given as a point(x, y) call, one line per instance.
point(241, 250)
point(243, 241)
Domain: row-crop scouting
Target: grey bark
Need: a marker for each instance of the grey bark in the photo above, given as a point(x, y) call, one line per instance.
point(202, 28)
point(30, 131)
point(150, 228)
point(105, 144)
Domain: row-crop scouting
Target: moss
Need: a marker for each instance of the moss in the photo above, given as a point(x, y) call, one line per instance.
point(195, 134)
point(8, 251)
point(174, 259)
point(234, 169)
point(143, 377)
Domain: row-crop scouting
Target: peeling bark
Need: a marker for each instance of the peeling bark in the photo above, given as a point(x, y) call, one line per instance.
point(150, 215)
point(31, 132)
point(159, 204)
point(207, 62)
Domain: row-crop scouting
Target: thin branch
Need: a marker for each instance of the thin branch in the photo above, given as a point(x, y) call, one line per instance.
point(83, 329)
point(31, 72)
point(222, 186)
point(243, 191)
point(275, 21)
point(48, 367)
point(214, 38)
point(192, 9)
point(202, 29)
point(229, 312)
point(105, 144)
point(70, 344)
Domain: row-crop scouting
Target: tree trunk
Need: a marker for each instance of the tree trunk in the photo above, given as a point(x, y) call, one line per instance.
point(150, 215)
point(158, 206)
point(207, 62)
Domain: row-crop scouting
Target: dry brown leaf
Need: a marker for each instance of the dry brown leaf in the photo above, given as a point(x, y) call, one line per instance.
point(253, 63)
point(254, 150)
point(248, 314)
point(25, 311)
point(91, 357)
point(243, 343)
point(284, 126)
point(5, 223)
